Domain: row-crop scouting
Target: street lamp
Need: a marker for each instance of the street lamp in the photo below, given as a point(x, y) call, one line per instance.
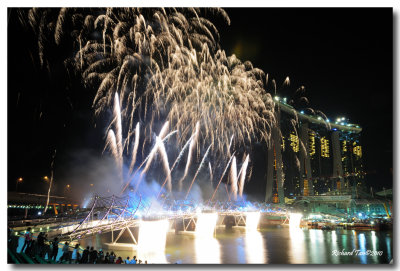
point(19, 180)
point(46, 178)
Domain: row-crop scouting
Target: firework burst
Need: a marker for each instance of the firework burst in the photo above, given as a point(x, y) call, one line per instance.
point(163, 66)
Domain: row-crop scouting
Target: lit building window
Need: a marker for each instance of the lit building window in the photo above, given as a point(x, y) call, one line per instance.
point(312, 143)
point(283, 143)
point(344, 146)
point(294, 142)
point(357, 151)
point(324, 147)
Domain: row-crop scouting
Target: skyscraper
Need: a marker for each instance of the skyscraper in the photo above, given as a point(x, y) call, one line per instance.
point(309, 155)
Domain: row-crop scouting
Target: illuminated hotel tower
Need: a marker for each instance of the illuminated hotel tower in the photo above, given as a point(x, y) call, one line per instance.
point(311, 156)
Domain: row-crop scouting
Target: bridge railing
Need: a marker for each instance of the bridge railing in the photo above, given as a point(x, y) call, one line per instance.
point(16, 223)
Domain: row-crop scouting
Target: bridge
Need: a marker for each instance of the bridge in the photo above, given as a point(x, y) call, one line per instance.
point(122, 214)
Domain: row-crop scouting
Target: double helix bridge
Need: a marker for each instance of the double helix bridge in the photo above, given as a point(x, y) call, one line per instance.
point(123, 214)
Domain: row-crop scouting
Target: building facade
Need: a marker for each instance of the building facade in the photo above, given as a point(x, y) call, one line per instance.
point(310, 156)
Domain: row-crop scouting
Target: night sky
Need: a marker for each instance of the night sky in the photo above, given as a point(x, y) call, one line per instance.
point(343, 57)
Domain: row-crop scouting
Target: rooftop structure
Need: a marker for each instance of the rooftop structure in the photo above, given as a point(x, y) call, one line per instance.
point(310, 155)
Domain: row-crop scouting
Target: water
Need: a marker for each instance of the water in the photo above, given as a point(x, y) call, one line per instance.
point(278, 245)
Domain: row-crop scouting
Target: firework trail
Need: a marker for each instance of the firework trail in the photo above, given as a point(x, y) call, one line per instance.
point(230, 144)
point(150, 157)
point(163, 130)
point(191, 148)
point(135, 147)
point(164, 158)
point(177, 160)
point(162, 133)
point(118, 137)
point(165, 139)
point(242, 175)
point(287, 81)
point(51, 182)
point(198, 170)
point(211, 174)
point(111, 142)
point(226, 168)
point(149, 160)
point(234, 181)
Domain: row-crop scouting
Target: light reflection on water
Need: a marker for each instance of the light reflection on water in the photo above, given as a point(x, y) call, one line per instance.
point(297, 250)
point(362, 248)
point(273, 245)
point(207, 250)
point(152, 240)
point(334, 245)
point(254, 247)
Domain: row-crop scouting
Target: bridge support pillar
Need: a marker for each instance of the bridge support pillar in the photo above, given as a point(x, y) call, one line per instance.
point(229, 222)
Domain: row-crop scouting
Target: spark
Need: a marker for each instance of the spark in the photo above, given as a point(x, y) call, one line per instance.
point(135, 147)
point(164, 157)
point(191, 148)
point(198, 170)
point(242, 175)
point(227, 165)
point(234, 183)
point(175, 163)
point(118, 137)
point(211, 173)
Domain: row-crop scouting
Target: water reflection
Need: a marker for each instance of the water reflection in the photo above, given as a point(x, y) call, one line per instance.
point(273, 245)
point(254, 247)
point(388, 247)
point(206, 246)
point(334, 245)
point(362, 248)
point(151, 241)
point(298, 249)
point(207, 250)
point(317, 252)
point(373, 240)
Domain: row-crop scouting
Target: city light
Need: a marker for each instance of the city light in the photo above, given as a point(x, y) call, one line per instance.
point(294, 220)
point(276, 98)
point(324, 147)
point(252, 219)
point(206, 223)
point(152, 239)
point(294, 142)
point(302, 112)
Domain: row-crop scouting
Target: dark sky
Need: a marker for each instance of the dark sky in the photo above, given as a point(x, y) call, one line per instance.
point(344, 59)
point(342, 56)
